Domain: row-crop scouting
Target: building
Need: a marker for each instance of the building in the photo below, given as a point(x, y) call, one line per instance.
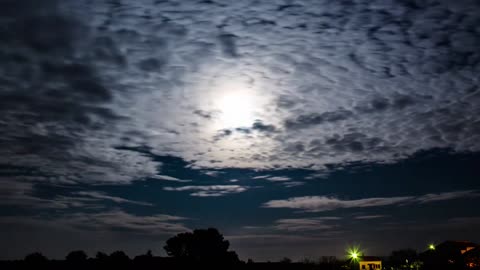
point(450, 255)
point(471, 258)
point(370, 263)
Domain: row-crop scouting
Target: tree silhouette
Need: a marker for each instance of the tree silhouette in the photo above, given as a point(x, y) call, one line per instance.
point(119, 257)
point(144, 258)
point(202, 245)
point(35, 258)
point(101, 256)
point(77, 256)
point(403, 259)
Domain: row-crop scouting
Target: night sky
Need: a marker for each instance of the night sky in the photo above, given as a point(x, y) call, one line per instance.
point(295, 127)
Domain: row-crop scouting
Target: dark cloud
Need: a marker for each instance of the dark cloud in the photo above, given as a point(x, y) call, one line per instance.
point(151, 65)
point(260, 126)
point(54, 95)
point(46, 78)
point(380, 105)
point(307, 120)
point(228, 43)
point(204, 114)
point(257, 126)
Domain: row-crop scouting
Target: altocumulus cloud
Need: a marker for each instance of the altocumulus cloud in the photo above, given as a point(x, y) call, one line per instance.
point(22, 194)
point(107, 221)
point(384, 79)
point(305, 224)
point(324, 203)
point(120, 220)
point(210, 191)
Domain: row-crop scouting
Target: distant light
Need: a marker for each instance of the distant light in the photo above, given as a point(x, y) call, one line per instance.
point(354, 253)
point(431, 247)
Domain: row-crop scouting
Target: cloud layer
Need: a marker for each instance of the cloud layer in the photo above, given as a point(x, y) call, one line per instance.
point(329, 83)
point(210, 191)
point(324, 203)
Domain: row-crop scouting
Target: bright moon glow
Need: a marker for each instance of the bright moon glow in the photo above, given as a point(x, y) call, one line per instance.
point(236, 106)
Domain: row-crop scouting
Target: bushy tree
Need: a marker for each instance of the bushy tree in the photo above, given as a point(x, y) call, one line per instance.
point(203, 245)
point(101, 256)
point(403, 259)
point(77, 256)
point(35, 258)
point(119, 257)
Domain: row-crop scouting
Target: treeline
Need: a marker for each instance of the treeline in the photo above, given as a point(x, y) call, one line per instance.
point(207, 249)
point(120, 260)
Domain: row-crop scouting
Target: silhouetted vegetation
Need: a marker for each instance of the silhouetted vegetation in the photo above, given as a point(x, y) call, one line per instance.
point(36, 258)
point(403, 259)
point(207, 249)
point(201, 246)
point(78, 256)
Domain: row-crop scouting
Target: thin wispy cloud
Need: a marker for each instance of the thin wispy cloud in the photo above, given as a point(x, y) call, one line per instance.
point(170, 178)
point(210, 191)
point(305, 224)
point(292, 184)
point(120, 220)
point(370, 217)
point(324, 203)
point(103, 196)
point(278, 178)
point(261, 177)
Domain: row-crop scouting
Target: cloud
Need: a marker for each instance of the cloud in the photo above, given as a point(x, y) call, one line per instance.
point(120, 220)
point(433, 197)
point(55, 100)
point(106, 221)
point(212, 173)
point(305, 121)
point(330, 83)
point(305, 224)
point(324, 203)
point(210, 191)
point(293, 184)
point(317, 175)
point(261, 177)
point(103, 196)
point(228, 43)
point(259, 126)
point(18, 193)
point(370, 217)
point(21, 194)
point(278, 178)
point(170, 178)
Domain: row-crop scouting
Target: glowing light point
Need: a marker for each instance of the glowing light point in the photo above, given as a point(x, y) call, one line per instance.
point(431, 247)
point(354, 254)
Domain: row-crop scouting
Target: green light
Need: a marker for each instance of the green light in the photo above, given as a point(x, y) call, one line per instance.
point(353, 253)
point(431, 247)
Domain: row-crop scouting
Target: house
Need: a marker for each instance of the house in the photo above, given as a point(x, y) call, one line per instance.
point(471, 258)
point(450, 255)
point(370, 263)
